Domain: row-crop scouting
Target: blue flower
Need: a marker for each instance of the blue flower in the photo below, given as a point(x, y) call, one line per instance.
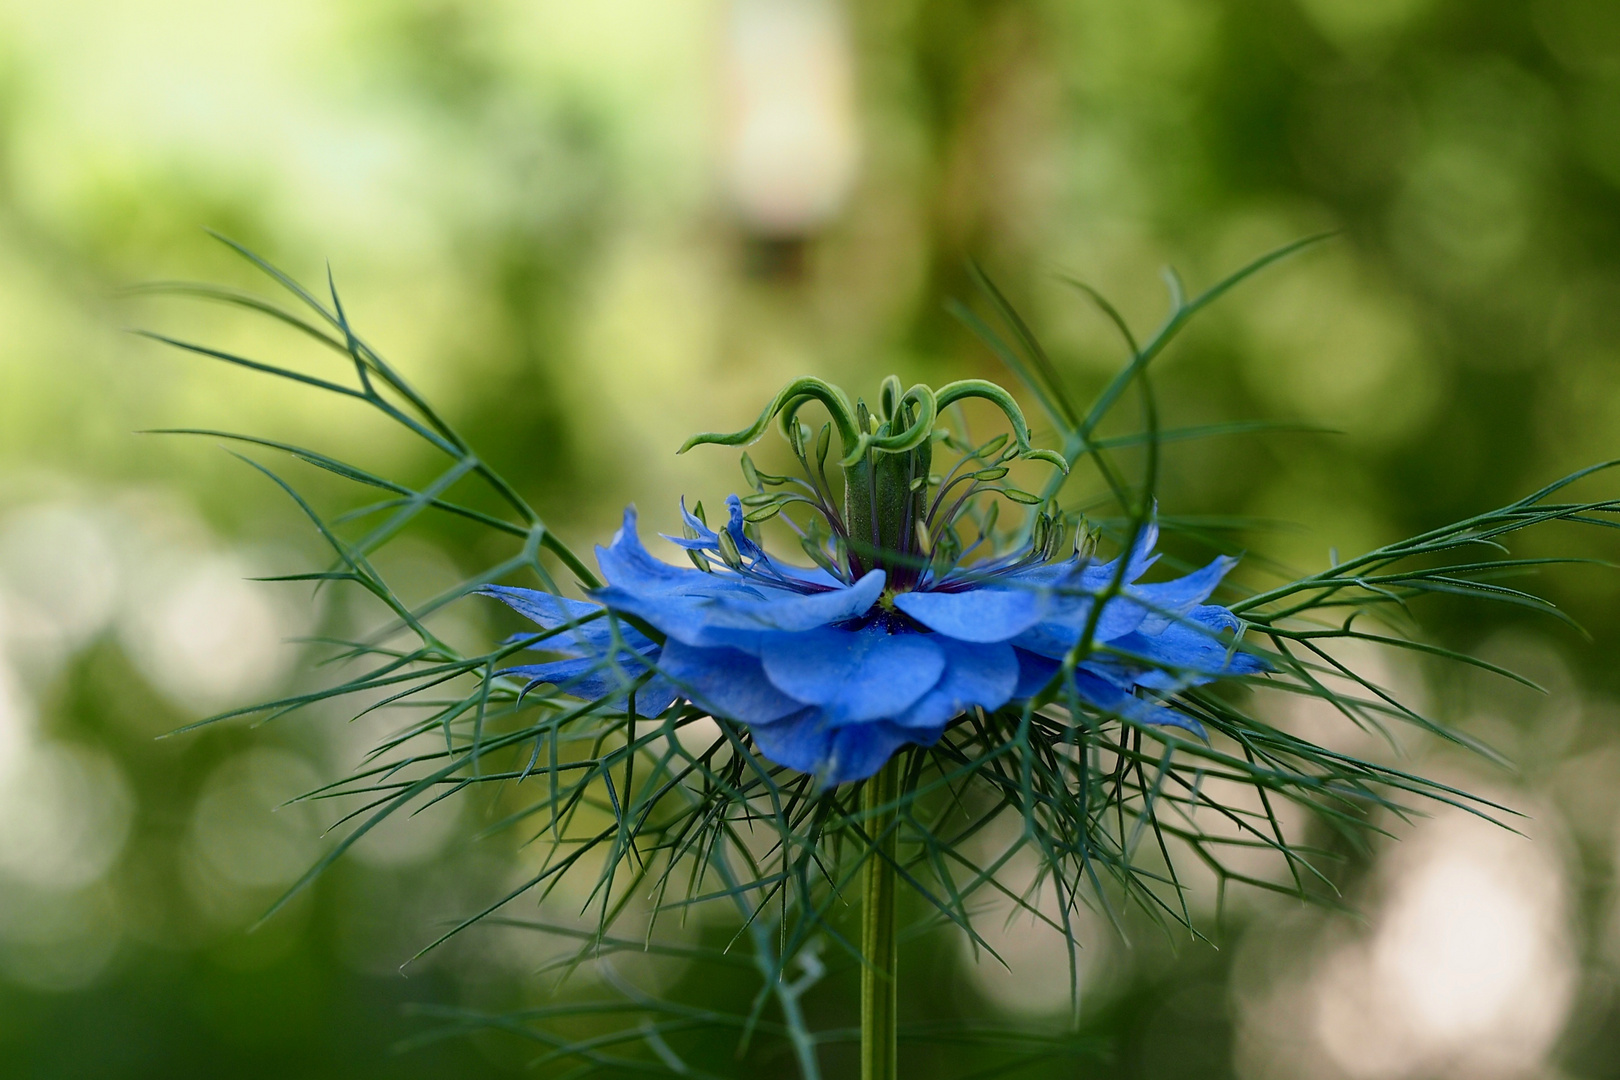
point(834, 668)
point(832, 677)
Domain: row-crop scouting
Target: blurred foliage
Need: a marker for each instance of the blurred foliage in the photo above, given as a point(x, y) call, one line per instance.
point(524, 204)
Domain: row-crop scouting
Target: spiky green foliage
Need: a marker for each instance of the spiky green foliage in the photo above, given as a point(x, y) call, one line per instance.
point(683, 810)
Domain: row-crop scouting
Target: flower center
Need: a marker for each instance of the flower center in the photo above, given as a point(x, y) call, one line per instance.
point(886, 617)
point(893, 515)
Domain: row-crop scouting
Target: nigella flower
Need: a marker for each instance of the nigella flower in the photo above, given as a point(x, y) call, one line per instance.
point(897, 630)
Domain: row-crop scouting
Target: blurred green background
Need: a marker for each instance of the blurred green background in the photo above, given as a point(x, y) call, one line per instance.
point(589, 229)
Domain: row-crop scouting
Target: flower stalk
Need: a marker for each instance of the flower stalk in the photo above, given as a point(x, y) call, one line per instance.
point(879, 972)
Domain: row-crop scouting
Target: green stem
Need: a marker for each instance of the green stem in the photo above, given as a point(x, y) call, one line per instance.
point(879, 1059)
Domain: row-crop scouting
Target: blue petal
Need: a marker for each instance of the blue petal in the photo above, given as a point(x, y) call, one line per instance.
point(796, 612)
point(681, 618)
point(707, 539)
point(978, 615)
point(709, 619)
point(545, 608)
point(854, 675)
point(1061, 593)
point(1058, 634)
point(1189, 653)
point(1034, 672)
point(1215, 618)
point(1143, 611)
point(1170, 599)
point(549, 611)
point(590, 678)
point(1040, 574)
point(859, 750)
point(688, 604)
point(801, 741)
point(810, 575)
point(697, 523)
point(1142, 557)
point(1110, 698)
point(726, 682)
point(834, 754)
point(1042, 608)
point(655, 695)
point(983, 675)
point(628, 565)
